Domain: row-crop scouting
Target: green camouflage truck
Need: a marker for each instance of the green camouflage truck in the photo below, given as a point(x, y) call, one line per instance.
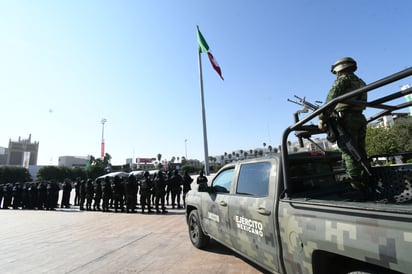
point(297, 213)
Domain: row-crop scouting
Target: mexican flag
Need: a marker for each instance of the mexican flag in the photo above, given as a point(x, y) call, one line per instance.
point(204, 47)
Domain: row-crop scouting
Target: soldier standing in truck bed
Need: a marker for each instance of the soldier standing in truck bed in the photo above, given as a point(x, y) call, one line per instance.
point(353, 121)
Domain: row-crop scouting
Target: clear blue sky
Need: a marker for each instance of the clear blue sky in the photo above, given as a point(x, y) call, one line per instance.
point(65, 65)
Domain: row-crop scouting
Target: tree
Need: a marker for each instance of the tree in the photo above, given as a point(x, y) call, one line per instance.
point(401, 131)
point(11, 174)
point(380, 140)
point(159, 157)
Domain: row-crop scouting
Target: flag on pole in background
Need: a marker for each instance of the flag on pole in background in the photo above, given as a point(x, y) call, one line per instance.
point(26, 159)
point(204, 47)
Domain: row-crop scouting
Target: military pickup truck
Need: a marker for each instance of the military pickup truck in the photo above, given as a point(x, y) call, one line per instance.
point(297, 213)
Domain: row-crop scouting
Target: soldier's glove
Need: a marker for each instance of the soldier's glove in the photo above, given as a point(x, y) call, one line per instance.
point(321, 124)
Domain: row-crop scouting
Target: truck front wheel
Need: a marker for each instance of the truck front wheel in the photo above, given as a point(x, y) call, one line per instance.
point(197, 237)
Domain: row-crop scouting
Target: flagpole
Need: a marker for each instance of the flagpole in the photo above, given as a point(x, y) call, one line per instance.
point(203, 116)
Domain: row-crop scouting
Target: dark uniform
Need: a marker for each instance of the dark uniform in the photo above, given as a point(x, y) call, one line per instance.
point(146, 186)
point(82, 194)
point(175, 187)
point(1, 194)
point(131, 193)
point(32, 192)
point(8, 195)
point(353, 121)
point(168, 188)
point(118, 192)
point(97, 194)
point(67, 188)
point(89, 194)
point(77, 192)
point(41, 195)
point(187, 181)
point(201, 179)
point(17, 196)
point(160, 192)
point(106, 194)
point(25, 196)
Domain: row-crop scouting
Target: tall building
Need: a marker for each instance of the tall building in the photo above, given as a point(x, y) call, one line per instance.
point(22, 150)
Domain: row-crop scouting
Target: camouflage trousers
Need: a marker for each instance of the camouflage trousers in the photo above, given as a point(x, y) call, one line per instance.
point(355, 125)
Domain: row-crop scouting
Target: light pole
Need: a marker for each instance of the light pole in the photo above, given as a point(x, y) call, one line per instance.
point(186, 148)
point(103, 121)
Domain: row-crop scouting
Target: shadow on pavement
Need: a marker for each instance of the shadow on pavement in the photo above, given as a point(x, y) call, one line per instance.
point(216, 247)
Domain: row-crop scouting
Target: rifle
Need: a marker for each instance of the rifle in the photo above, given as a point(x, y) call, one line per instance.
point(335, 130)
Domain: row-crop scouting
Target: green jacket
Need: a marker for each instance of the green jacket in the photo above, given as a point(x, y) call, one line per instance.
point(344, 83)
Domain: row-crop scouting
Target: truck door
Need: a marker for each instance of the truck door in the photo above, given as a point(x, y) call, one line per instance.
point(215, 206)
point(252, 214)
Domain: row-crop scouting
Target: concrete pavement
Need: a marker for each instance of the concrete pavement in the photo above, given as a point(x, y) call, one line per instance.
point(73, 241)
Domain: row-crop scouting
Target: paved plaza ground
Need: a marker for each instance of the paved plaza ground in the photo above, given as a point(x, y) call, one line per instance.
point(73, 241)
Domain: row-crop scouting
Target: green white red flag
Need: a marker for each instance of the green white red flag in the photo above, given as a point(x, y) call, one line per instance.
point(204, 47)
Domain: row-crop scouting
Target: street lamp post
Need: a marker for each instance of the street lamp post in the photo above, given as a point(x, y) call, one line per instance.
point(103, 121)
point(186, 148)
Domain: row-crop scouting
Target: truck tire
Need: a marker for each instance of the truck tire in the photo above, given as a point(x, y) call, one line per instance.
point(197, 237)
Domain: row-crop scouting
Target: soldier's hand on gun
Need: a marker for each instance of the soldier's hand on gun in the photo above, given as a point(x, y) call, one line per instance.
point(321, 124)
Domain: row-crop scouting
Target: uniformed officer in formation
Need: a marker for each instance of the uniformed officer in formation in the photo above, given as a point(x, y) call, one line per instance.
point(97, 194)
point(122, 191)
point(160, 192)
point(66, 191)
point(77, 192)
point(131, 188)
point(175, 186)
point(89, 194)
point(187, 181)
point(146, 186)
point(106, 193)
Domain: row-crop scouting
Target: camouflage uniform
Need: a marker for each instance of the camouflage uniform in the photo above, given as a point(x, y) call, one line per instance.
point(353, 121)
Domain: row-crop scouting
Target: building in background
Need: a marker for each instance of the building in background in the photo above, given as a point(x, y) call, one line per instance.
point(22, 152)
point(73, 161)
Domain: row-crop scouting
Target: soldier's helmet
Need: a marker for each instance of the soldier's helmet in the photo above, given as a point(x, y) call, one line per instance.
point(343, 63)
point(146, 174)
